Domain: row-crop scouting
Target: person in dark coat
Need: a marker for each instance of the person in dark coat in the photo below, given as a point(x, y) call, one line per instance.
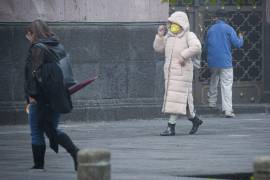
point(46, 98)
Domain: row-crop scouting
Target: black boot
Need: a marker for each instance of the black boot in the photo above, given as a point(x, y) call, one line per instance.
point(170, 131)
point(38, 156)
point(66, 142)
point(196, 122)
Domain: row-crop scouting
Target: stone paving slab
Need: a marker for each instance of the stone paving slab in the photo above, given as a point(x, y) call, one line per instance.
point(222, 146)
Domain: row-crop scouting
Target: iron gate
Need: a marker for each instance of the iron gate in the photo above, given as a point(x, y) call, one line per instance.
point(248, 61)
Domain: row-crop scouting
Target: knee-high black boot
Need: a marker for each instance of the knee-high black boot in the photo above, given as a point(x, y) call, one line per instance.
point(64, 140)
point(38, 156)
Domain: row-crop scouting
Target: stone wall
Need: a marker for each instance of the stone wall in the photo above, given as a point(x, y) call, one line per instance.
point(83, 10)
point(130, 83)
point(111, 39)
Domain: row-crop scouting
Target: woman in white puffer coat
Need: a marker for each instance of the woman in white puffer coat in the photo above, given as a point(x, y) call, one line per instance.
point(179, 45)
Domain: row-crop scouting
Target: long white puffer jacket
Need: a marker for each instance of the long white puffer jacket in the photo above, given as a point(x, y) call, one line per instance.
point(178, 79)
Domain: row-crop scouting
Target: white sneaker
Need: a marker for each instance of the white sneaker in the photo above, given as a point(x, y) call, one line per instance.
point(229, 114)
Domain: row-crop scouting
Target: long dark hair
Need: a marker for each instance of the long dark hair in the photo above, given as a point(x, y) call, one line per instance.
point(39, 29)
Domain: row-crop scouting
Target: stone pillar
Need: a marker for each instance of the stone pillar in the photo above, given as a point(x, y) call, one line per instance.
point(262, 168)
point(94, 165)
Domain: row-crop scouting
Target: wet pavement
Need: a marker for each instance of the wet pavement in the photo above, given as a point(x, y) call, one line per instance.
point(222, 146)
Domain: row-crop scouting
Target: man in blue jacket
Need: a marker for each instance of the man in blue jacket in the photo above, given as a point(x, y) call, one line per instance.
point(219, 40)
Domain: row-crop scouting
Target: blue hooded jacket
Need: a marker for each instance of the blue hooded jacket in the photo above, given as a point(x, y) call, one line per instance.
point(220, 37)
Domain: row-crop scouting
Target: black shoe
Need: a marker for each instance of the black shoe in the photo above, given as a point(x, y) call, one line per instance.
point(70, 147)
point(170, 131)
point(196, 122)
point(38, 156)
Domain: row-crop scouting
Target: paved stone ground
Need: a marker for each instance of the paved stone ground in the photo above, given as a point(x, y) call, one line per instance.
point(222, 146)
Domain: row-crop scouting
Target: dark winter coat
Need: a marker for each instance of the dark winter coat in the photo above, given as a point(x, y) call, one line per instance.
point(44, 82)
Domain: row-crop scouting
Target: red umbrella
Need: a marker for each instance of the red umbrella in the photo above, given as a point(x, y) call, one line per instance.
point(81, 85)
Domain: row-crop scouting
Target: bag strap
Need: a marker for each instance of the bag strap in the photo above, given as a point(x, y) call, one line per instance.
point(42, 45)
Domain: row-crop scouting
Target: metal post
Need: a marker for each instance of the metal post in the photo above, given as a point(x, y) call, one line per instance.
point(262, 168)
point(94, 165)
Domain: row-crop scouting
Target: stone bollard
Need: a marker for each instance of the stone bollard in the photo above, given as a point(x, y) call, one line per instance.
point(94, 165)
point(262, 168)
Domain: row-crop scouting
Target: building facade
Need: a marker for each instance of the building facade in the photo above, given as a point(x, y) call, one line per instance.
point(113, 39)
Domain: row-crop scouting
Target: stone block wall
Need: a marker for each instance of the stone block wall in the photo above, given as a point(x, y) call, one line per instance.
point(130, 83)
point(111, 39)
